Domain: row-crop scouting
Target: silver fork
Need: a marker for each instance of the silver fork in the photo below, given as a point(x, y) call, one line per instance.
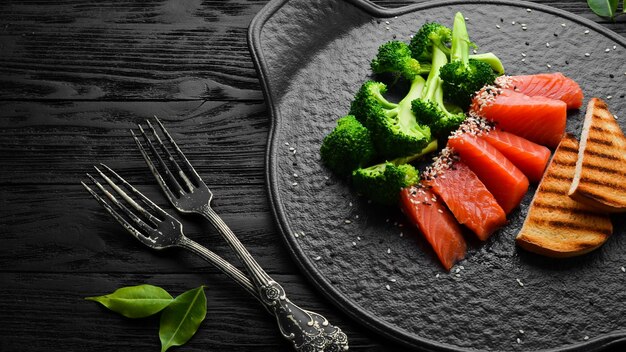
point(155, 228)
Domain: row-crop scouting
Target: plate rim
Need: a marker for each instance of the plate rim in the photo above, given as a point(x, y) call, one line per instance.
point(304, 263)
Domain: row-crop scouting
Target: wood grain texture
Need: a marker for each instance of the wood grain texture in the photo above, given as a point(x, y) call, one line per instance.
point(75, 76)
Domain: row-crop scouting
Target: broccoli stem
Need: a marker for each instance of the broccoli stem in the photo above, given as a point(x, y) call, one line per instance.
point(433, 90)
point(430, 148)
point(405, 114)
point(460, 40)
point(491, 60)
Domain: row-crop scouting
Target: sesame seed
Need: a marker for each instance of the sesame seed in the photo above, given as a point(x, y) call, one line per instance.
point(587, 31)
point(296, 235)
point(475, 51)
point(615, 116)
point(609, 96)
point(523, 60)
point(348, 221)
point(401, 234)
point(440, 211)
point(518, 340)
point(513, 22)
point(386, 22)
point(623, 269)
point(519, 282)
point(528, 10)
point(356, 216)
point(358, 238)
point(294, 184)
point(523, 54)
point(388, 250)
point(498, 26)
point(387, 28)
point(353, 244)
point(467, 18)
point(458, 270)
point(548, 65)
point(437, 276)
point(388, 287)
point(586, 338)
point(563, 24)
point(614, 47)
point(350, 204)
point(547, 45)
point(295, 175)
point(462, 267)
point(607, 50)
point(457, 275)
point(524, 28)
point(291, 149)
point(393, 280)
point(587, 54)
point(326, 178)
point(317, 258)
point(287, 143)
point(521, 331)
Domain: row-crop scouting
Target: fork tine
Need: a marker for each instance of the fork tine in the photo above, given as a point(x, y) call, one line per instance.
point(138, 194)
point(139, 222)
point(154, 170)
point(180, 172)
point(194, 174)
point(127, 225)
point(168, 172)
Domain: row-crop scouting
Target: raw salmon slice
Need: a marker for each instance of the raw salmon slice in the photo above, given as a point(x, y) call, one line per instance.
point(505, 181)
point(531, 158)
point(538, 119)
point(469, 200)
point(435, 222)
point(550, 85)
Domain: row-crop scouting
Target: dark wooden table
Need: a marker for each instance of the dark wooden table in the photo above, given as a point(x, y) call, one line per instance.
point(75, 76)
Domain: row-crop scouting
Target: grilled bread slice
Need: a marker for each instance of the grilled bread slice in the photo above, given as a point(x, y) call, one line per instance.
point(556, 225)
point(600, 178)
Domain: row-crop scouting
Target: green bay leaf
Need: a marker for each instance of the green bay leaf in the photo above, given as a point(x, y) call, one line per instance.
point(135, 301)
point(181, 319)
point(603, 8)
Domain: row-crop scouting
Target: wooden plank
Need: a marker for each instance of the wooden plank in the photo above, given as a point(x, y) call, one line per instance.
point(131, 50)
point(44, 310)
point(57, 142)
point(60, 228)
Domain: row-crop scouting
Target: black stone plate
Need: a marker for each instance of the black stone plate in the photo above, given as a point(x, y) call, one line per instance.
point(312, 56)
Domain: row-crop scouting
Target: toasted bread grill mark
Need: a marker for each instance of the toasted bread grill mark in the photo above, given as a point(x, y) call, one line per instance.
point(602, 168)
point(565, 162)
point(569, 149)
point(563, 209)
point(564, 226)
point(602, 183)
point(601, 155)
point(599, 141)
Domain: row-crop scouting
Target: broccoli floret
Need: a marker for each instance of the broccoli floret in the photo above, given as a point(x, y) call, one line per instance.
point(430, 109)
point(382, 183)
point(395, 131)
point(395, 57)
point(348, 147)
point(462, 76)
point(428, 36)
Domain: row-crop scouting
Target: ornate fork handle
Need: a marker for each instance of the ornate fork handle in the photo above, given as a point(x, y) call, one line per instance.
point(308, 331)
